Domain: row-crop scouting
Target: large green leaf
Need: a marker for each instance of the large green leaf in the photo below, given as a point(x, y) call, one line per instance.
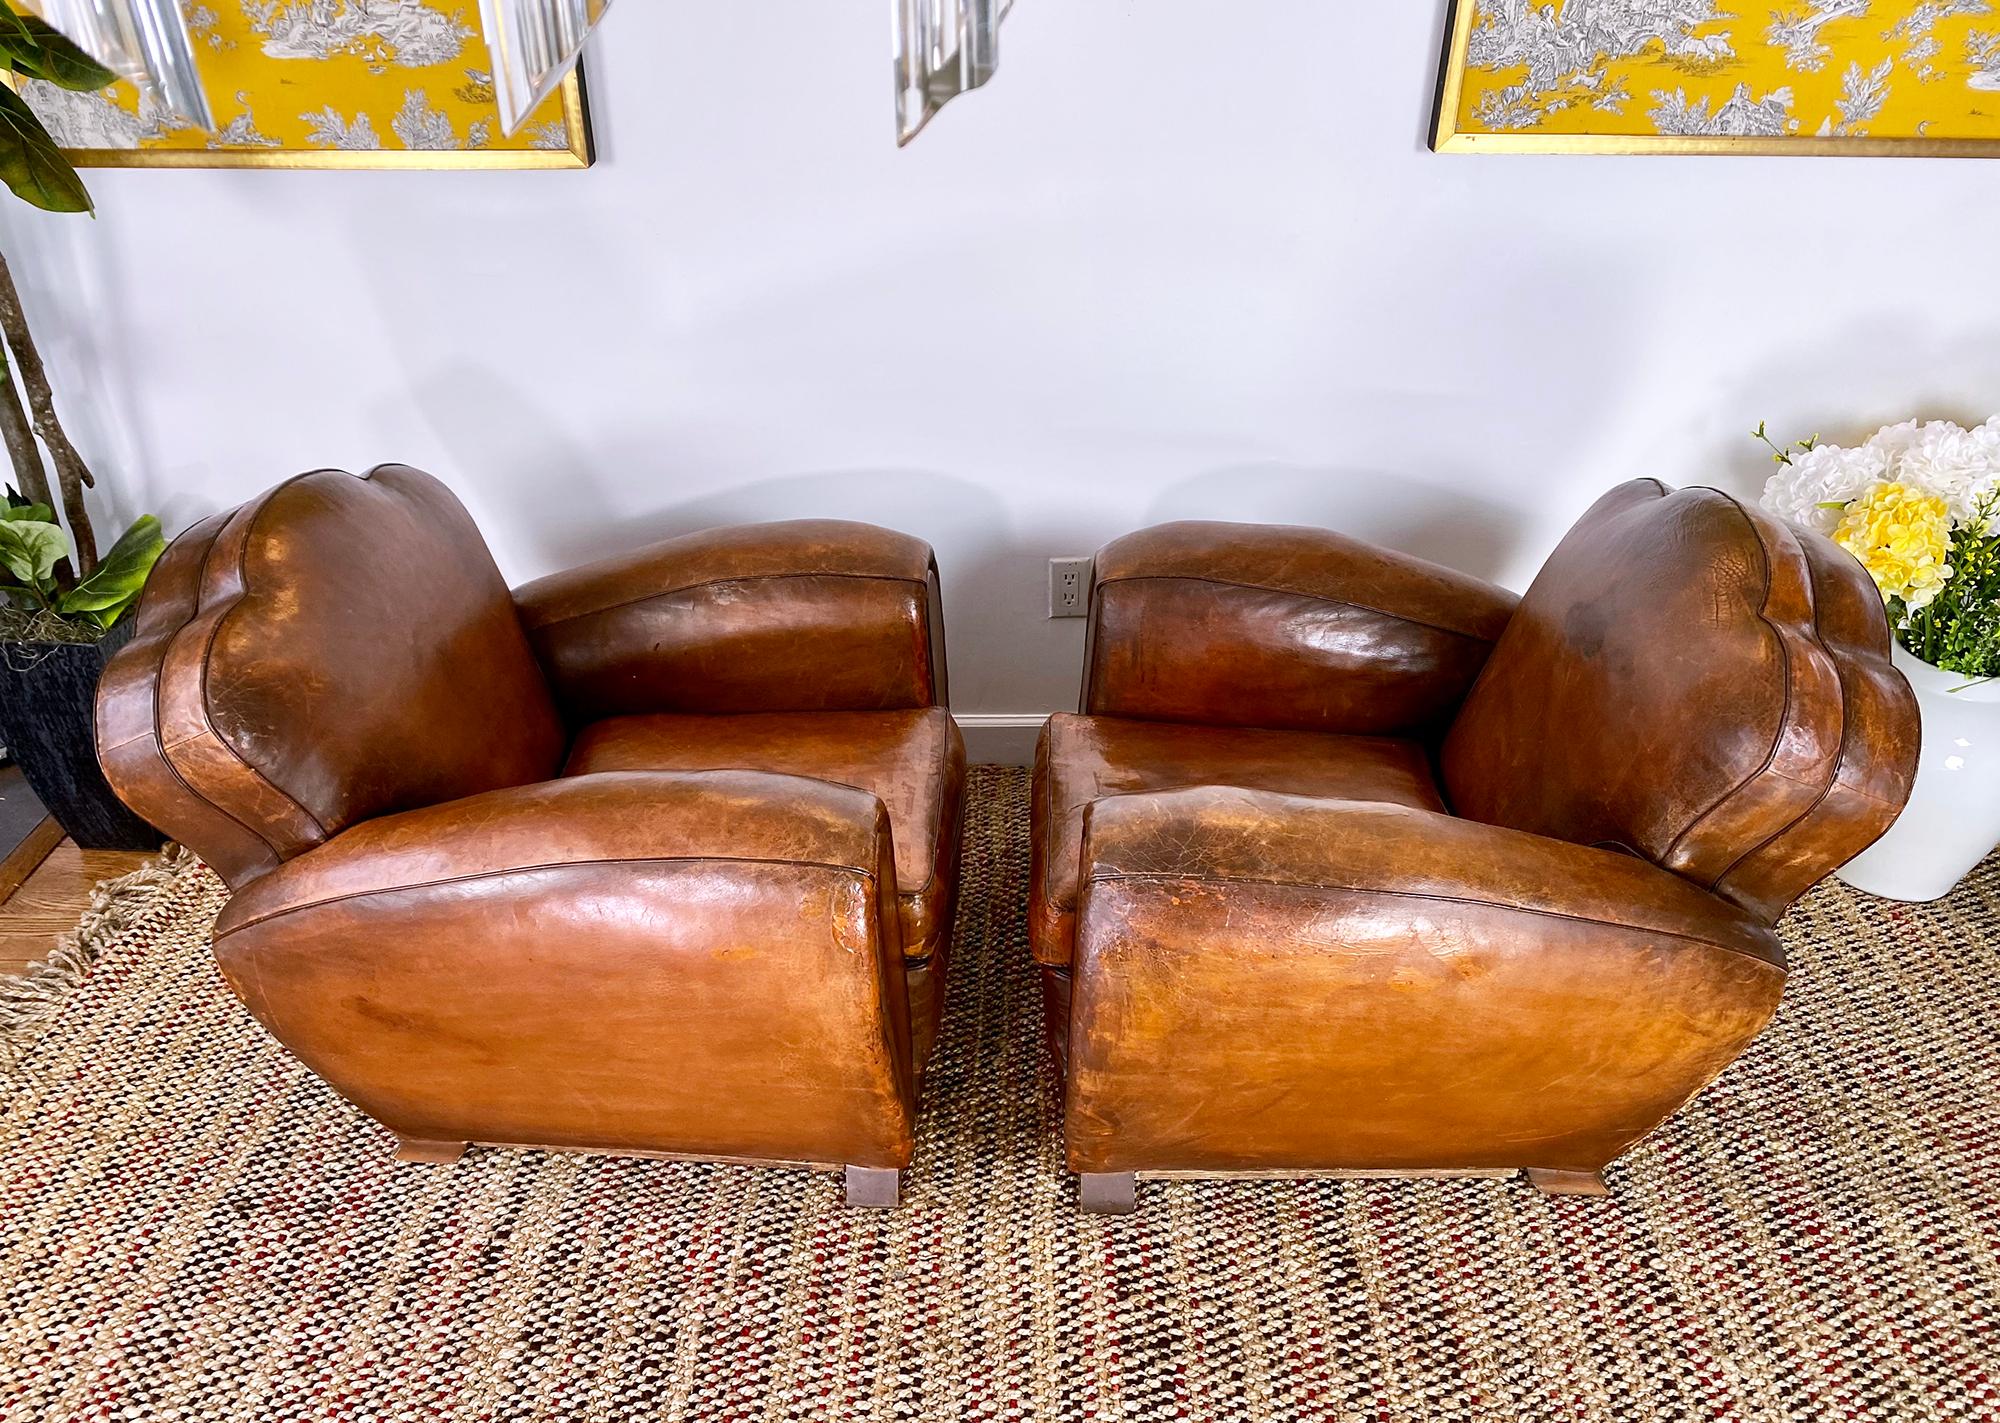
point(35, 49)
point(30, 551)
point(19, 506)
point(115, 583)
point(32, 165)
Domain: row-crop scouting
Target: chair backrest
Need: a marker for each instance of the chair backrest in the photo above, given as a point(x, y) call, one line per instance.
point(1694, 681)
point(334, 650)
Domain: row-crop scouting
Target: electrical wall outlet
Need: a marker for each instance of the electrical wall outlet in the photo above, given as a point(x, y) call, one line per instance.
point(1069, 587)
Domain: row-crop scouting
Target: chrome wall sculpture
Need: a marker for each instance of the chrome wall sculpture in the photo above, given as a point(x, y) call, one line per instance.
point(535, 43)
point(145, 41)
point(943, 49)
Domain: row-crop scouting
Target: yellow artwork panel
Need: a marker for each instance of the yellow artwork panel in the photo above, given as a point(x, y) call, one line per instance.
point(324, 83)
point(1874, 76)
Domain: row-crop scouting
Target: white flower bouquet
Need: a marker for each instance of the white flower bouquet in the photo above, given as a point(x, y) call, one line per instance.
point(1919, 506)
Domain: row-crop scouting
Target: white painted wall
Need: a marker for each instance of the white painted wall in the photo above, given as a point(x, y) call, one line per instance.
point(1181, 258)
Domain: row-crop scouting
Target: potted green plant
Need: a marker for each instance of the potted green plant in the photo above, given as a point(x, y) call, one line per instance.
point(64, 608)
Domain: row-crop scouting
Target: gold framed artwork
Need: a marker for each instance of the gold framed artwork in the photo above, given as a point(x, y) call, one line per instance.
point(1859, 77)
point(325, 84)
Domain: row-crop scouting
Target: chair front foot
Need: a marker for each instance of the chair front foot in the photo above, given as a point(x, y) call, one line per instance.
point(1567, 1183)
point(435, 1153)
point(874, 1188)
point(1108, 1192)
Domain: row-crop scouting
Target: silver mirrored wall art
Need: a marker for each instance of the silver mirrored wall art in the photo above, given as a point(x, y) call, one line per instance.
point(943, 49)
point(535, 44)
point(145, 41)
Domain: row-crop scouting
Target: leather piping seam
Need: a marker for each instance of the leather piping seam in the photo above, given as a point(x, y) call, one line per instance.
point(1840, 761)
point(1715, 887)
point(158, 745)
point(1295, 593)
point(152, 734)
point(659, 593)
point(227, 611)
point(1115, 876)
point(256, 832)
point(547, 868)
point(1784, 712)
point(224, 614)
point(932, 639)
point(166, 759)
point(1784, 716)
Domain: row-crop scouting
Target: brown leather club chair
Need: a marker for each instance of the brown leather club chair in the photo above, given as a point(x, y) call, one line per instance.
point(656, 856)
point(1351, 865)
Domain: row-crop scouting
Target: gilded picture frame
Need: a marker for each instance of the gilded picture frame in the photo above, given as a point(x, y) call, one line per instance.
point(1855, 78)
point(400, 85)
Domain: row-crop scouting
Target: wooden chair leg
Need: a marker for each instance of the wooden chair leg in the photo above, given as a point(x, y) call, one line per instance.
point(436, 1153)
point(1108, 1192)
point(1567, 1183)
point(874, 1188)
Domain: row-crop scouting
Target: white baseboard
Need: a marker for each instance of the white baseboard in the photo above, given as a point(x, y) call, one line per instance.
point(1001, 738)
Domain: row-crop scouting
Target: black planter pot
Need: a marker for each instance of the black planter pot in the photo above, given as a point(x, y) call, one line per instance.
point(48, 693)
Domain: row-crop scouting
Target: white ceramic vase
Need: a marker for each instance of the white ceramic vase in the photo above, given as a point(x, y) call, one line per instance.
point(1953, 819)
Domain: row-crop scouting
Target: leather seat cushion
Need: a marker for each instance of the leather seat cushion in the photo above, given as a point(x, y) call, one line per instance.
point(913, 761)
point(1082, 759)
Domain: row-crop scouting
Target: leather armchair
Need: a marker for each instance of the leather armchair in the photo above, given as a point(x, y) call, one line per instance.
point(1352, 865)
point(656, 856)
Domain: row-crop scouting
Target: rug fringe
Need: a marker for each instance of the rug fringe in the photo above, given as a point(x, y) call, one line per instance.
point(28, 1004)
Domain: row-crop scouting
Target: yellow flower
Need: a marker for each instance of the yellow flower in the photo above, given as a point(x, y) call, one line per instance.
point(1902, 537)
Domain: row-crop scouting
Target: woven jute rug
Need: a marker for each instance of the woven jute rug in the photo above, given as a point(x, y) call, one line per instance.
point(192, 1227)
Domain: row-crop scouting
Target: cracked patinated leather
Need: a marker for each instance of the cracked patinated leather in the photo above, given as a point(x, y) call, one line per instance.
point(484, 910)
point(1502, 894)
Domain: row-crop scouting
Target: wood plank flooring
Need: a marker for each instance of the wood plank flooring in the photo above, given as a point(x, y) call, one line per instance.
point(42, 898)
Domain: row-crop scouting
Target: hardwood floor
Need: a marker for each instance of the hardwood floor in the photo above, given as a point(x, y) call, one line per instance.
point(45, 886)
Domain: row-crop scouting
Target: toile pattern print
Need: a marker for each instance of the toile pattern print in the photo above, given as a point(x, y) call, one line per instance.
point(1772, 69)
point(317, 75)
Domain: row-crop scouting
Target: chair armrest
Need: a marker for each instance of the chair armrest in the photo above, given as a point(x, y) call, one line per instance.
point(1284, 627)
point(1359, 985)
point(808, 615)
point(704, 962)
